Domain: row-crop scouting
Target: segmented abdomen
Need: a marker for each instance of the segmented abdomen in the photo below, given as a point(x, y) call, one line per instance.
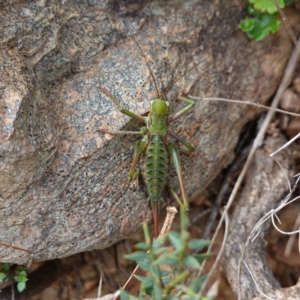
point(155, 168)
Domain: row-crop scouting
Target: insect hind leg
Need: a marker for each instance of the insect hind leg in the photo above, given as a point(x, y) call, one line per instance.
point(155, 205)
point(175, 157)
point(139, 148)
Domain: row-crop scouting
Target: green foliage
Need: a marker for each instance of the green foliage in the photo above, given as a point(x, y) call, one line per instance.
point(259, 27)
point(267, 5)
point(264, 18)
point(4, 272)
point(21, 276)
point(151, 255)
point(2, 276)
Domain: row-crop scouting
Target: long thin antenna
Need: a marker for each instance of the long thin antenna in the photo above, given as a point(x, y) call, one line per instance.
point(151, 73)
point(143, 54)
point(171, 85)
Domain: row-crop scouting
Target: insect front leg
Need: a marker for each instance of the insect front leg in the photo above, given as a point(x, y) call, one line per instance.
point(184, 110)
point(139, 148)
point(121, 109)
point(143, 131)
point(118, 132)
point(175, 157)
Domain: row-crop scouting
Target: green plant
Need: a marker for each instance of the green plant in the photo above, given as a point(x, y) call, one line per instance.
point(264, 18)
point(160, 284)
point(21, 277)
point(3, 273)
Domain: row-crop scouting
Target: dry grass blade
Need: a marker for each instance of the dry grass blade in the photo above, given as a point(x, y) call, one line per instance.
point(100, 286)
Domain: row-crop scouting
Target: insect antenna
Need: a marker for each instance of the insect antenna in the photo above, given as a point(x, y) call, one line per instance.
point(144, 56)
point(176, 80)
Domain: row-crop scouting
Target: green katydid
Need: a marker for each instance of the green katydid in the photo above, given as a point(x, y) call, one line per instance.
point(155, 150)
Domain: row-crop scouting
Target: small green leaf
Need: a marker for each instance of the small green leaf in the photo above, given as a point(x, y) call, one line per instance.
point(21, 278)
point(137, 256)
point(267, 5)
point(195, 285)
point(147, 285)
point(124, 295)
point(21, 269)
point(175, 240)
point(188, 298)
point(165, 273)
point(166, 280)
point(145, 265)
point(142, 246)
point(172, 298)
point(147, 282)
point(201, 257)
point(158, 242)
point(252, 11)
point(21, 286)
point(5, 267)
point(157, 291)
point(160, 250)
point(202, 279)
point(2, 276)
point(179, 293)
point(246, 24)
point(263, 25)
point(155, 271)
point(191, 262)
point(166, 259)
point(23, 274)
point(198, 244)
point(138, 277)
point(147, 291)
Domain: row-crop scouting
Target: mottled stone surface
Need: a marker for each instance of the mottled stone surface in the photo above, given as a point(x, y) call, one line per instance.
point(63, 184)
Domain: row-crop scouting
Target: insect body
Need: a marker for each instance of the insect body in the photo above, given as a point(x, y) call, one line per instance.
point(155, 150)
